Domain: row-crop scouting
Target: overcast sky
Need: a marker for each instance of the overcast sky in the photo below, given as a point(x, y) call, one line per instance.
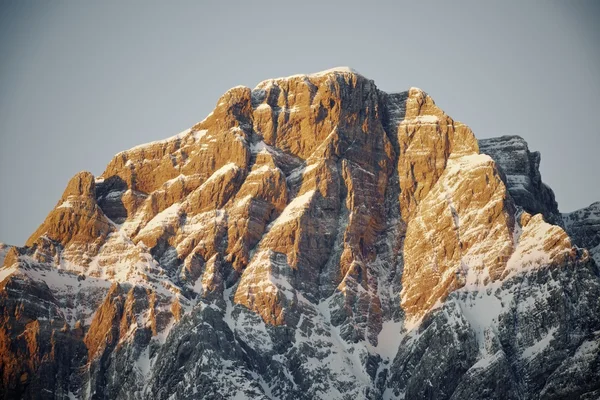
point(81, 82)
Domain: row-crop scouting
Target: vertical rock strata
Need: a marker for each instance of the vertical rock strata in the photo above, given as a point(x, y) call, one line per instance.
point(313, 237)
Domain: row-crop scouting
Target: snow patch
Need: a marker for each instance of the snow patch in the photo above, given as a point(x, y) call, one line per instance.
point(259, 147)
point(262, 169)
point(162, 219)
point(264, 107)
point(220, 172)
point(66, 204)
point(341, 69)
point(143, 362)
point(482, 313)
point(5, 272)
point(331, 71)
point(173, 138)
point(389, 339)
point(538, 347)
point(200, 134)
point(486, 361)
point(295, 208)
point(423, 119)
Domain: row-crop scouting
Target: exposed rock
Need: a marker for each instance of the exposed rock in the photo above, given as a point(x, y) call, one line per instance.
point(4, 249)
point(523, 178)
point(38, 352)
point(313, 237)
point(461, 233)
point(427, 138)
point(76, 217)
point(584, 228)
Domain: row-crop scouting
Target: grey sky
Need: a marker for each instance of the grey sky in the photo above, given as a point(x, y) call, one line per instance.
point(81, 81)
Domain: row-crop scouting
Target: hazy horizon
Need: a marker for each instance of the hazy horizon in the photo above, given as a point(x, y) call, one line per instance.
point(81, 82)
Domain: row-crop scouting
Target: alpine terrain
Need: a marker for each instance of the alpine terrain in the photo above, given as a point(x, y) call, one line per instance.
point(312, 238)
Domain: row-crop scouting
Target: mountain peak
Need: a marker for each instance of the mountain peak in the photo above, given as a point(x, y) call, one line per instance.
point(330, 71)
point(315, 237)
point(341, 69)
point(344, 70)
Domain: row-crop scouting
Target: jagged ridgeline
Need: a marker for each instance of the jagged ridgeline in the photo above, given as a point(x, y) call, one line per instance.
point(312, 238)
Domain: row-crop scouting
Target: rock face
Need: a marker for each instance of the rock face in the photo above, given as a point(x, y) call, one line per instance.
point(522, 175)
point(584, 227)
point(313, 237)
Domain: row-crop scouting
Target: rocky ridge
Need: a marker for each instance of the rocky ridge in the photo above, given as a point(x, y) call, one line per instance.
point(313, 237)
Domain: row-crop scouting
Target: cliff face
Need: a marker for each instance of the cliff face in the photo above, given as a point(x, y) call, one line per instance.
point(584, 227)
point(313, 237)
point(522, 175)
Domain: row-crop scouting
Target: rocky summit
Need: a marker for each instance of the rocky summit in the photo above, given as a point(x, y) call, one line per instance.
point(311, 238)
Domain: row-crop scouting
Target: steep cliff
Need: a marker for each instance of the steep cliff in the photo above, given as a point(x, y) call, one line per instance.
point(313, 237)
point(584, 227)
point(522, 175)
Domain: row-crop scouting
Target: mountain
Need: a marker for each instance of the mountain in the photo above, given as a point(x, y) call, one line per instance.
point(313, 237)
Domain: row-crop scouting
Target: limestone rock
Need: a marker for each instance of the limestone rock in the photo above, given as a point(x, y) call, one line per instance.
point(461, 234)
point(77, 222)
point(427, 138)
point(583, 227)
point(523, 178)
point(313, 237)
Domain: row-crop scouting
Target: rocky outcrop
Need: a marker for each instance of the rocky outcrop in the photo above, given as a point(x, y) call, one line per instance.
point(39, 351)
point(76, 218)
point(427, 138)
point(313, 237)
point(461, 233)
point(4, 249)
point(334, 123)
point(522, 175)
point(526, 337)
point(584, 228)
